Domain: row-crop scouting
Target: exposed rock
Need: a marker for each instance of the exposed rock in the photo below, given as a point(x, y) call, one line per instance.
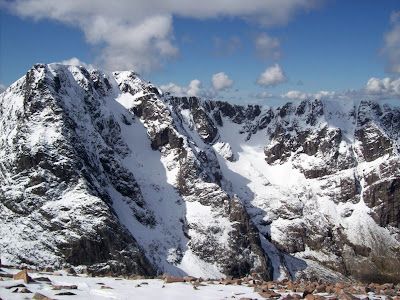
point(307, 291)
point(189, 278)
point(105, 287)
point(24, 276)
point(65, 294)
point(374, 143)
point(65, 287)
point(79, 178)
point(39, 296)
point(25, 291)
point(384, 198)
point(173, 279)
point(42, 279)
point(15, 286)
point(346, 296)
point(269, 294)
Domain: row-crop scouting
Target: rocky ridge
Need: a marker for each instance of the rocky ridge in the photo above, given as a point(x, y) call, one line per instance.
point(107, 172)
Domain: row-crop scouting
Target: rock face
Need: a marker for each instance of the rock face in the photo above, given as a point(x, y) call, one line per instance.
point(107, 172)
point(96, 170)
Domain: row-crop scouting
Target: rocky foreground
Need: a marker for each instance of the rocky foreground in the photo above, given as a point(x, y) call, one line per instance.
point(67, 284)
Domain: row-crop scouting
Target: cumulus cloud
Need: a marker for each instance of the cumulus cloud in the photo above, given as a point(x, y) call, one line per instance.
point(391, 47)
point(295, 95)
point(298, 95)
point(386, 87)
point(267, 46)
point(193, 89)
point(375, 89)
point(74, 61)
point(272, 76)
point(138, 34)
point(221, 81)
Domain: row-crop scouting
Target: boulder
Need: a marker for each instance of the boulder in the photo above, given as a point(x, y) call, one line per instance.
point(189, 278)
point(23, 275)
point(39, 296)
point(172, 279)
point(65, 287)
point(65, 294)
point(308, 290)
point(346, 296)
point(269, 294)
point(25, 291)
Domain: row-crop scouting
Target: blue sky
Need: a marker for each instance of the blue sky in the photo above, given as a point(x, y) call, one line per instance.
point(325, 46)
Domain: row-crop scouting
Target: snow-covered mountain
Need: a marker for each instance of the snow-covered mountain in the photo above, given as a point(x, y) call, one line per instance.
point(106, 171)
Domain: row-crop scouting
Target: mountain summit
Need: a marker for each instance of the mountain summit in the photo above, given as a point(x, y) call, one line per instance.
point(104, 171)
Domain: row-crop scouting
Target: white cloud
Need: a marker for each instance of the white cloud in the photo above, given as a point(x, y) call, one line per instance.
point(295, 95)
point(174, 89)
point(374, 85)
point(325, 95)
point(221, 81)
point(322, 95)
point(74, 61)
point(391, 47)
point(375, 89)
point(272, 76)
point(138, 34)
point(194, 89)
point(385, 88)
point(267, 46)
point(2, 87)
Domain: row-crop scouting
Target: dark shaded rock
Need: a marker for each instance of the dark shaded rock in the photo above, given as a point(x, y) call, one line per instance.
point(66, 294)
point(245, 236)
point(315, 111)
point(349, 189)
point(217, 117)
point(204, 125)
point(374, 143)
point(24, 291)
point(229, 110)
point(160, 139)
point(102, 255)
point(266, 119)
point(285, 110)
point(384, 199)
point(64, 287)
point(15, 286)
point(295, 241)
point(42, 279)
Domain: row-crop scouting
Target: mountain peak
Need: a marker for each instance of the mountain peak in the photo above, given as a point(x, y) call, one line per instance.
point(103, 171)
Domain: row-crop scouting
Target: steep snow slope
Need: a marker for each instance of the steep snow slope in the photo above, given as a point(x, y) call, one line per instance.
point(105, 171)
point(305, 173)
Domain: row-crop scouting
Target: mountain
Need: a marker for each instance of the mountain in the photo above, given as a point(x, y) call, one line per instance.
point(107, 173)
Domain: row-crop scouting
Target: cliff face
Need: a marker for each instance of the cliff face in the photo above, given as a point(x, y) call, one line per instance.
point(106, 171)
